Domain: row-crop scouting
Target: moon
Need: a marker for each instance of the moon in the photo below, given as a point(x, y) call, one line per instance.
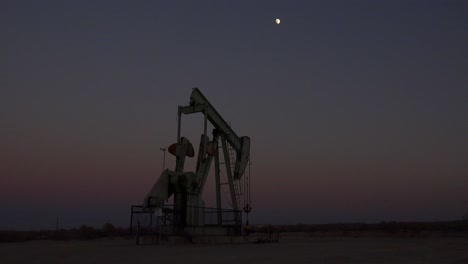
point(278, 21)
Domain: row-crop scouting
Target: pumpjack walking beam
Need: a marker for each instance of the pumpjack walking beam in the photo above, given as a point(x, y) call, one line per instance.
point(199, 103)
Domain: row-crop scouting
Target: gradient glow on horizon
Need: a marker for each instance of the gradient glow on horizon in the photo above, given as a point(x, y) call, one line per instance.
point(356, 110)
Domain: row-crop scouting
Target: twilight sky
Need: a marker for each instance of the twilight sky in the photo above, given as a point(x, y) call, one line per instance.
point(357, 110)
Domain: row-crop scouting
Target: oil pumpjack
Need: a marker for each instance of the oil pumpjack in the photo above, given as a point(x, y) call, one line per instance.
point(188, 212)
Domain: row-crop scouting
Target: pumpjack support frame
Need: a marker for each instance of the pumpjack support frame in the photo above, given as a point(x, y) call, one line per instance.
point(189, 213)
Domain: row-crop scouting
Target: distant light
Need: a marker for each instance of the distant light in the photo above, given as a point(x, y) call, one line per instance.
point(278, 21)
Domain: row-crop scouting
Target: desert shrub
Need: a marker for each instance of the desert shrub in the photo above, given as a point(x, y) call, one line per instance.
point(61, 234)
point(88, 232)
point(13, 236)
point(109, 229)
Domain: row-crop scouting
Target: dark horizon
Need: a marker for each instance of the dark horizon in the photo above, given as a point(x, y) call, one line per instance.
point(356, 110)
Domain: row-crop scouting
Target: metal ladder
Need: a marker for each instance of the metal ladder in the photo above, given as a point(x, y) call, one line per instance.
point(236, 182)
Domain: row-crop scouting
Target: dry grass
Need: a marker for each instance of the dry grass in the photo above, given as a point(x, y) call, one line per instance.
point(290, 249)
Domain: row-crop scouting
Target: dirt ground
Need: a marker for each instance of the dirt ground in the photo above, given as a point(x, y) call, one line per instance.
point(290, 250)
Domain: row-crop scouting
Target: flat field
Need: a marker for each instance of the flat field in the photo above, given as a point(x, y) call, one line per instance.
point(288, 250)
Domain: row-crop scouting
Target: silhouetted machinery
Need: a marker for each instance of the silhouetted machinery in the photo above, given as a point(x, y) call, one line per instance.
point(189, 213)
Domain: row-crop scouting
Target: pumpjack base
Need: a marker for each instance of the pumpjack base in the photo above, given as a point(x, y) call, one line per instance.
point(178, 239)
